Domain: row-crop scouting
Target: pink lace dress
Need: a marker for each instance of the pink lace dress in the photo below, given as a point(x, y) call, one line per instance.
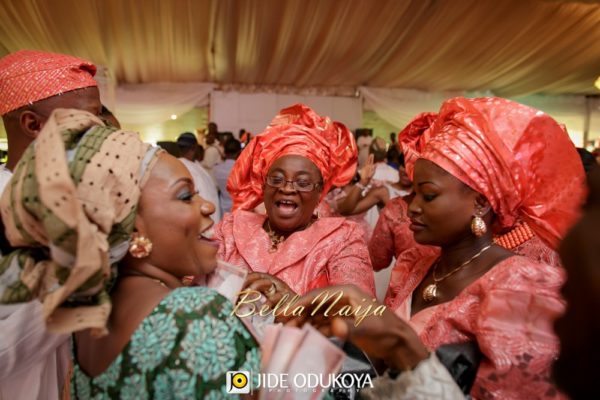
point(509, 312)
point(391, 236)
point(331, 251)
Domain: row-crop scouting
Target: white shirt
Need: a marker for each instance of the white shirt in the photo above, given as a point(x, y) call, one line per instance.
point(385, 173)
point(222, 172)
point(5, 176)
point(33, 362)
point(212, 157)
point(205, 185)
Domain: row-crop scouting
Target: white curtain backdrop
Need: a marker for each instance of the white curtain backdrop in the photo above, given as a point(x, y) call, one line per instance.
point(152, 103)
point(399, 106)
point(233, 110)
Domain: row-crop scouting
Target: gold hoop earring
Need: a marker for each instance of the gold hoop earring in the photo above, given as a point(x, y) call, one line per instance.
point(478, 226)
point(140, 246)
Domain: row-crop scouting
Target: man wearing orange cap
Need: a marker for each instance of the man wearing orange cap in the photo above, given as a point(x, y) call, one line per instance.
point(34, 362)
point(32, 85)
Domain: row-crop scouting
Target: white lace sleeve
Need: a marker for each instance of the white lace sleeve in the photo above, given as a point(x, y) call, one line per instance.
point(429, 380)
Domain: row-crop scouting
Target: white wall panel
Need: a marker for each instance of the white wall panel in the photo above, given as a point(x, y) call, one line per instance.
point(233, 111)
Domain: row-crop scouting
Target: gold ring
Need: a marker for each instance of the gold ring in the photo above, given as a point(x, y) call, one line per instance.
point(272, 290)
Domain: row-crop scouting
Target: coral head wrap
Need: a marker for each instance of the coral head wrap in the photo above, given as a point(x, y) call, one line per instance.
point(296, 130)
point(519, 158)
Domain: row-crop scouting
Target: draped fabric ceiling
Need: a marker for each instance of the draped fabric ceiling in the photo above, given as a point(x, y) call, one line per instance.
point(510, 47)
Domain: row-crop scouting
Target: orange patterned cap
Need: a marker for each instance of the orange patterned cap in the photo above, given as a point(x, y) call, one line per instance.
point(27, 76)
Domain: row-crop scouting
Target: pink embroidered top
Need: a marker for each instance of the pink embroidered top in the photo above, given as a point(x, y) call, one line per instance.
point(391, 236)
point(331, 251)
point(509, 312)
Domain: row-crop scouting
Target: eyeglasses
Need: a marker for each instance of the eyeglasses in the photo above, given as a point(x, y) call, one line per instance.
point(301, 185)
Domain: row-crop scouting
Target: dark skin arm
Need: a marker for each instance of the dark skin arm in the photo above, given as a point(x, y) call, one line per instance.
point(133, 299)
point(354, 202)
point(378, 196)
point(346, 205)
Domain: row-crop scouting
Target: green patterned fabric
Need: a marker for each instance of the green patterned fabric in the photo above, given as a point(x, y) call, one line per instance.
point(182, 350)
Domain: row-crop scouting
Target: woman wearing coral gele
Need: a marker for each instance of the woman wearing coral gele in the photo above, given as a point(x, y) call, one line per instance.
point(290, 167)
point(486, 164)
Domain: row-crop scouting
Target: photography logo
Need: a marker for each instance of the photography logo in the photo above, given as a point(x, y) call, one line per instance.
point(238, 382)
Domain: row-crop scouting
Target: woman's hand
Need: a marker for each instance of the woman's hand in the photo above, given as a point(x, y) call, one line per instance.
point(385, 336)
point(274, 289)
point(367, 171)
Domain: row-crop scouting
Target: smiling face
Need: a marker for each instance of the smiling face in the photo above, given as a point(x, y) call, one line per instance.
point(442, 206)
point(176, 220)
point(289, 209)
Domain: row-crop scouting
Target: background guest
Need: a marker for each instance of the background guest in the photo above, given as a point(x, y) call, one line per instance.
point(363, 142)
point(393, 142)
point(188, 147)
point(213, 154)
point(589, 161)
point(393, 157)
point(222, 171)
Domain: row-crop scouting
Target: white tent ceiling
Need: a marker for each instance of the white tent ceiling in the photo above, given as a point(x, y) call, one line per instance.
point(511, 47)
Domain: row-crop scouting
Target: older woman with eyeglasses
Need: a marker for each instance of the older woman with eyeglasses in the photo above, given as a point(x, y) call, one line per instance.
point(290, 167)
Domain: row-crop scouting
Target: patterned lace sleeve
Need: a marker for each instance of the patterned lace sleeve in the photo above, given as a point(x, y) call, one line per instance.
point(381, 245)
point(224, 235)
point(429, 380)
point(537, 250)
point(351, 264)
point(514, 332)
point(182, 350)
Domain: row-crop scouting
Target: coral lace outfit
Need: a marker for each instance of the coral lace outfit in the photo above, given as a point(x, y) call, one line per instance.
point(523, 162)
point(328, 252)
point(331, 251)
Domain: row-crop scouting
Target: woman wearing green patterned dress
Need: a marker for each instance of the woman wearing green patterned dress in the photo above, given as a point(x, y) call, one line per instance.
point(86, 201)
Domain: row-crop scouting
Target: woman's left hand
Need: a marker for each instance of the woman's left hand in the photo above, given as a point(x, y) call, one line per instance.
point(274, 289)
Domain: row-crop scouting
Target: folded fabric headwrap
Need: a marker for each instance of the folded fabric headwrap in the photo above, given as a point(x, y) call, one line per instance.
point(414, 137)
point(28, 76)
point(296, 130)
point(519, 158)
point(70, 210)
